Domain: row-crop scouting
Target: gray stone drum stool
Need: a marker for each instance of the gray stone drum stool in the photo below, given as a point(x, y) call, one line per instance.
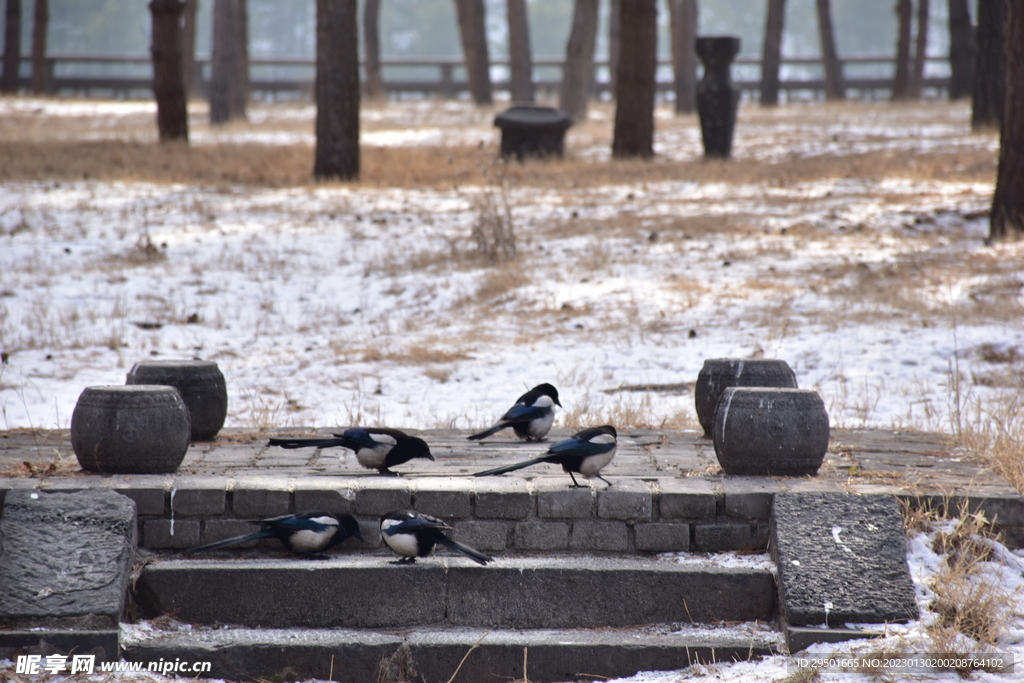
point(528, 131)
point(763, 431)
point(201, 385)
point(718, 374)
point(137, 429)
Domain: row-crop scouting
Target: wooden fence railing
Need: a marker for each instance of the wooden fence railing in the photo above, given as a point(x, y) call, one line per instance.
point(127, 76)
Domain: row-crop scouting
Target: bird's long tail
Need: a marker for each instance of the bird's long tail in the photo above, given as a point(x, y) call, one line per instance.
point(266, 533)
point(511, 468)
point(472, 553)
point(487, 432)
point(308, 443)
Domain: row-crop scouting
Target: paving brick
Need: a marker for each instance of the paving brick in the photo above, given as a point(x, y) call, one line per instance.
point(542, 536)
point(371, 535)
point(749, 497)
point(482, 535)
point(762, 534)
point(259, 503)
point(686, 498)
point(445, 498)
point(214, 530)
point(338, 501)
point(628, 499)
point(714, 537)
point(197, 502)
point(557, 501)
point(662, 537)
point(147, 501)
point(502, 498)
point(381, 495)
point(598, 535)
point(156, 533)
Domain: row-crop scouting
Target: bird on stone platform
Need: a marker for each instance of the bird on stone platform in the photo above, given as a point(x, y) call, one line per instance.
point(307, 533)
point(585, 452)
point(413, 534)
point(376, 448)
point(531, 417)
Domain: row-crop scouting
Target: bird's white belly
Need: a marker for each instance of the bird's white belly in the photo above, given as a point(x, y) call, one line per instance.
point(373, 458)
point(592, 466)
point(542, 426)
point(403, 544)
point(307, 541)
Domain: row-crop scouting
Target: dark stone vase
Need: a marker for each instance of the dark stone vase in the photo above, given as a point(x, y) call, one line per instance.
point(529, 131)
point(718, 374)
point(201, 385)
point(717, 97)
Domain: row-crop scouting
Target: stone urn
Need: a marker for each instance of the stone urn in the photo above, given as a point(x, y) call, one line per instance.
point(718, 374)
point(717, 97)
point(137, 429)
point(201, 385)
point(530, 131)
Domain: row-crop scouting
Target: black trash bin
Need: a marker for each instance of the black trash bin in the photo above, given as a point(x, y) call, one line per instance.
point(528, 131)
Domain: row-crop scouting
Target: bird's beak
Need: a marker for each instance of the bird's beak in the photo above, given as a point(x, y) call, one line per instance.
point(429, 456)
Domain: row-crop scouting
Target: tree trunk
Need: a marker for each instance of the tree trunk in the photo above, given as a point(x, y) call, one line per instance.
point(683, 27)
point(371, 49)
point(337, 89)
point(188, 46)
point(961, 49)
point(473, 32)
point(901, 79)
point(168, 83)
point(1008, 203)
point(834, 89)
point(771, 58)
point(241, 86)
point(638, 62)
point(920, 48)
point(578, 69)
point(519, 56)
point(989, 81)
point(12, 47)
point(40, 71)
point(614, 14)
point(222, 60)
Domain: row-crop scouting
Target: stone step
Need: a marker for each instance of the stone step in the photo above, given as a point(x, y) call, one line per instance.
point(358, 656)
point(360, 591)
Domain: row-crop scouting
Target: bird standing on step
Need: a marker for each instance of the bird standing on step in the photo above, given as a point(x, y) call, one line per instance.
point(413, 534)
point(586, 452)
point(531, 417)
point(376, 448)
point(303, 534)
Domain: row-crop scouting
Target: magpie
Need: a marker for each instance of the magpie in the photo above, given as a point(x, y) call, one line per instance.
point(306, 533)
point(376, 448)
point(585, 452)
point(413, 534)
point(531, 417)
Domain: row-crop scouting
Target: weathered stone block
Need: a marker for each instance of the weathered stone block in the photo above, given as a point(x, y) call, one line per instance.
point(147, 501)
point(159, 534)
point(715, 537)
point(198, 502)
point(555, 500)
point(260, 503)
point(336, 501)
point(445, 498)
point(662, 537)
point(482, 535)
point(542, 536)
point(749, 497)
point(687, 498)
point(628, 499)
point(598, 535)
point(381, 496)
point(502, 498)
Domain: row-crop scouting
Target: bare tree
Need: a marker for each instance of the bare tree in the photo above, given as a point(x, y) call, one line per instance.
point(337, 89)
point(188, 46)
point(771, 57)
point(371, 49)
point(242, 87)
point(12, 46)
point(473, 32)
point(222, 59)
point(901, 79)
point(614, 13)
point(961, 49)
point(1008, 202)
point(989, 84)
point(683, 26)
point(638, 62)
point(578, 69)
point(834, 89)
point(168, 83)
point(40, 70)
point(519, 54)
point(920, 48)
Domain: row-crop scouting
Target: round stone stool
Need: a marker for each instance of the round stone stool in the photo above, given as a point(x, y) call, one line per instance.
point(718, 374)
point(201, 385)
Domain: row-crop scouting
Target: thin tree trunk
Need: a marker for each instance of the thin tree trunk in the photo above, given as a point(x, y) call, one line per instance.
point(12, 46)
point(683, 26)
point(771, 58)
point(222, 60)
point(961, 49)
point(241, 87)
point(371, 49)
point(519, 54)
point(834, 89)
point(188, 46)
point(901, 79)
point(614, 14)
point(473, 32)
point(638, 63)
point(337, 89)
point(989, 84)
point(1008, 202)
point(40, 70)
point(168, 83)
point(578, 69)
point(920, 48)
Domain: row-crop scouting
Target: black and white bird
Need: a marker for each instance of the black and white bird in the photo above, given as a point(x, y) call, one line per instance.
point(306, 533)
point(413, 534)
point(586, 452)
point(376, 448)
point(531, 417)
